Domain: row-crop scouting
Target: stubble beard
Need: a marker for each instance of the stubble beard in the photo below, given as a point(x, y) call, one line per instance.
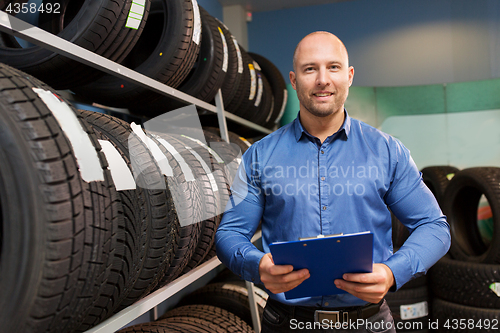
point(321, 109)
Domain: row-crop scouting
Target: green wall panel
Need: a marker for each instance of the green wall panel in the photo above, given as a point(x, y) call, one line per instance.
point(472, 96)
point(292, 106)
point(413, 100)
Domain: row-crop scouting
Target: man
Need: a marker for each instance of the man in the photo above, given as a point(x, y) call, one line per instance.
point(326, 173)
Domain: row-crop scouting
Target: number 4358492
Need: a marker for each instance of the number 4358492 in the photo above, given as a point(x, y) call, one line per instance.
point(33, 8)
point(462, 324)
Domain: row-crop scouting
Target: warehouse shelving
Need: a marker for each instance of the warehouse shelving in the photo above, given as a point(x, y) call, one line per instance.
point(37, 36)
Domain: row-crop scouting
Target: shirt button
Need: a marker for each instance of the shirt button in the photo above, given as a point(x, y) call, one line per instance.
point(326, 303)
point(322, 178)
point(324, 207)
point(322, 152)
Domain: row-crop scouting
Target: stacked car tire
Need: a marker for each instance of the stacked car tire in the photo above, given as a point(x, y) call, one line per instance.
point(463, 285)
point(465, 282)
point(97, 212)
point(220, 306)
point(194, 318)
point(177, 43)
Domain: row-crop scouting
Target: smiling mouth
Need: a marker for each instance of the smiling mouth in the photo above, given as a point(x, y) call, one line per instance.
point(323, 94)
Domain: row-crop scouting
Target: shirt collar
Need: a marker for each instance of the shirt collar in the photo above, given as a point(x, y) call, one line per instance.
point(299, 130)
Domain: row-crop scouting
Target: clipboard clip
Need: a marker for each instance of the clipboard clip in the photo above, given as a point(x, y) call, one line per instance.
point(320, 236)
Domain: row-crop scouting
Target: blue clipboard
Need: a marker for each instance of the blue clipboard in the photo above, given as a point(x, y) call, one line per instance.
point(327, 258)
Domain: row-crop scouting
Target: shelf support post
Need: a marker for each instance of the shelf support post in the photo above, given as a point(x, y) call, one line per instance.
point(219, 105)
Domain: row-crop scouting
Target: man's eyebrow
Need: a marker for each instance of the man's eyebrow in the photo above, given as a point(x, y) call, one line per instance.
point(333, 62)
point(309, 64)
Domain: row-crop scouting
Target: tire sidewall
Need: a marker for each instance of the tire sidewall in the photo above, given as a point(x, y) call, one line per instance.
point(23, 242)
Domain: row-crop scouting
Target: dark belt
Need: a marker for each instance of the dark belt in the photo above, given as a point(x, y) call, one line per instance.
point(308, 313)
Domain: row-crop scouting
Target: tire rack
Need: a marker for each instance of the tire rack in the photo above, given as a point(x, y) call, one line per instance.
point(18, 28)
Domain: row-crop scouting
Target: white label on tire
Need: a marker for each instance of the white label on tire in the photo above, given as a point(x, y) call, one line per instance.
point(120, 172)
point(260, 89)
point(186, 170)
point(261, 295)
point(233, 287)
point(271, 110)
point(224, 46)
point(197, 23)
point(240, 58)
point(205, 167)
point(158, 155)
point(245, 141)
point(495, 287)
point(413, 311)
point(211, 151)
point(221, 23)
point(282, 111)
point(253, 82)
point(135, 14)
point(256, 65)
point(85, 153)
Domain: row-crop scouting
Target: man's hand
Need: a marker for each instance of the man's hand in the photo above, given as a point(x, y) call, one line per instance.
point(279, 278)
point(370, 287)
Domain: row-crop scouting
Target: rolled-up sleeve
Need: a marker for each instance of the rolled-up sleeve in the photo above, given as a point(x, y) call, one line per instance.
point(240, 220)
point(415, 206)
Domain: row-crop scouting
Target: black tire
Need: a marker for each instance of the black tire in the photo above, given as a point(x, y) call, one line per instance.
point(408, 300)
point(460, 206)
point(255, 110)
point(235, 65)
point(189, 206)
point(226, 275)
point(278, 87)
point(231, 296)
point(245, 94)
point(211, 253)
point(58, 230)
point(450, 316)
point(266, 105)
point(196, 324)
point(128, 257)
point(209, 196)
point(416, 283)
point(224, 320)
point(400, 232)
point(152, 228)
point(466, 283)
point(206, 77)
point(216, 163)
point(96, 25)
point(160, 327)
point(166, 52)
point(242, 143)
point(437, 178)
point(230, 153)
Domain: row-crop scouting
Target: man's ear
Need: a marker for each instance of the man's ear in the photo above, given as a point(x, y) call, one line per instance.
point(351, 75)
point(293, 80)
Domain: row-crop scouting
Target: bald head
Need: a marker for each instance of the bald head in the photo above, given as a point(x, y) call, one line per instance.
point(318, 37)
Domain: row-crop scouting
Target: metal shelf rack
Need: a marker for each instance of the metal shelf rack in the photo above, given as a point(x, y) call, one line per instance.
point(18, 28)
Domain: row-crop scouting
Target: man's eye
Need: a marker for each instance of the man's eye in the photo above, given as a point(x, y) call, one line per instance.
point(334, 67)
point(308, 69)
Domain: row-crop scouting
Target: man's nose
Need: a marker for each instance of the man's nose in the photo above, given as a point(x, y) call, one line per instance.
point(322, 77)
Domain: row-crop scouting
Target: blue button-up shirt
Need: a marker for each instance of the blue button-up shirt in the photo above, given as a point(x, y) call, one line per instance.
point(299, 187)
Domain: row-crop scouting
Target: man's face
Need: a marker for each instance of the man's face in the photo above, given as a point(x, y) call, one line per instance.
point(322, 77)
